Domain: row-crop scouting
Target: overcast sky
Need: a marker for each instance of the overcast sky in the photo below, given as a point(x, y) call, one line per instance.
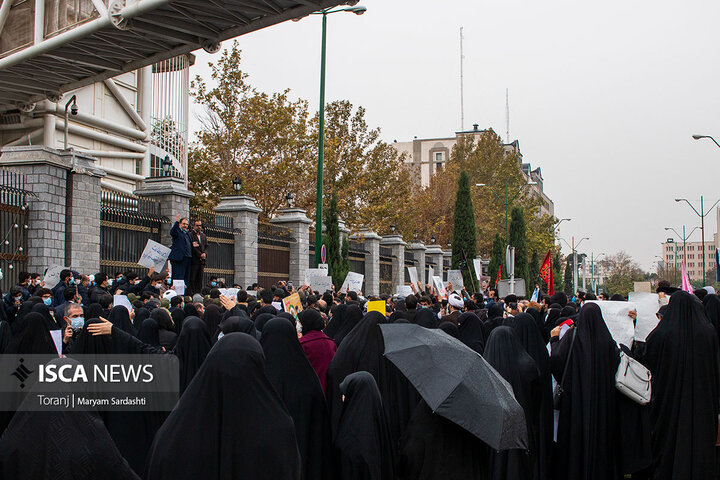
point(604, 97)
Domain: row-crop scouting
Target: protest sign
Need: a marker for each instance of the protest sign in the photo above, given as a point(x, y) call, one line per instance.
point(431, 274)
point(229, 292)
point(52, 276)
point(314, 272)
point(484, 282)
point(57, 340)
point(377, 306)
point(320, 283)
point(353, 282)
point(647, 306)
point(278, 306)
point(477, 265)
point(412, 271)
point(122, 300)
point(179, 286)
point(455, 277)
point(154, 255)
point(617, 320)
point(292, 305)
point(437, 281)
point(404, 290)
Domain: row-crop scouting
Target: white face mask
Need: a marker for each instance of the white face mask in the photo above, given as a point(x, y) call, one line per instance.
point(298, 326)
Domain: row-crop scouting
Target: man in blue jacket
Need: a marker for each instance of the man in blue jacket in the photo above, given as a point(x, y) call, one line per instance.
point(181, 250)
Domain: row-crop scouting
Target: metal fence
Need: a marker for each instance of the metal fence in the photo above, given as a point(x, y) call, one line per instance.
point(220, 259)
point(126, 224)
point(274, 250)
point(386, 258)
point(14, 208)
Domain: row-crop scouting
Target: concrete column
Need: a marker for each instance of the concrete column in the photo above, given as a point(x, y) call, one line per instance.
point(173, 197)
point(64, 220)
point(397, 246)
point(418, 250)
point(434, 254)
point(244, 212)
point(371, 244)
point(296, 219)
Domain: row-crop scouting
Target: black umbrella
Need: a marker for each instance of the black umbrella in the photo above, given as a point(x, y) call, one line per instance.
point(457, 384)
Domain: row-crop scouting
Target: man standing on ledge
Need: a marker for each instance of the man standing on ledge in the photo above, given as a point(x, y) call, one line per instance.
point(199, 247)
point(181, 250)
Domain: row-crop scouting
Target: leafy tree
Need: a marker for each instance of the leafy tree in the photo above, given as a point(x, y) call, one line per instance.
point(623, 271)
point(534, 274)
point(464, 238)
point(496, 259)
point(557, 272)
point(517, 240)
point(337, 251)
point(568, 277)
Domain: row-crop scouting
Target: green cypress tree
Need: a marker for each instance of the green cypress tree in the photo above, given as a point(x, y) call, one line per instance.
point(557, 272)
point(338, 264)
point(518, 240)
point(568, 279)
point(497, 256)
point(534, 275)
point(464, 239)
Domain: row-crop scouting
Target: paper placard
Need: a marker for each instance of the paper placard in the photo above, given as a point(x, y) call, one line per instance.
point(477, 265)
point(292, 304)
point(455, 277)
point(229, 292)
point(154, 255)
point(353, 282)
point(252, 293)
point(404, 290)
point(437, 281)
point(122, 300)
point(617, 320)
point(314, 272)
point(647, 306)
point(179, 286)
point(323, 266)
point(52, 276)
point(412, 271)
point(431, 274)
point(377, 306)
point(320, 283)
point(57, 340)
point(278, 306)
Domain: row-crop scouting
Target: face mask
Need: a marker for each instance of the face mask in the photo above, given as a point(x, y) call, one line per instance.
point(213, 284)
point(18, 298)
point(220, 335)
point(110, 282)
point(77, 323)
point(47, 301)
point(137, 282)
point(298, 326)
point(71, 281)
point(169, 281)
point(182, 305)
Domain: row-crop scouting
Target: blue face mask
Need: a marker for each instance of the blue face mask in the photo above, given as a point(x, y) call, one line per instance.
point(220, 335)
point(169, 281)
point(18, 298)
point(77, 323)
point(213, 284)
point(71, 281)
point(47, 301)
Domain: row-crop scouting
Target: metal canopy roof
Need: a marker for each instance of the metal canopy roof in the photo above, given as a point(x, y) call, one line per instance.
point(127, 35)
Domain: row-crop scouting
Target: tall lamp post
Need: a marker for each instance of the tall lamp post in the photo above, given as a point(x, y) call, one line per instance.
point(684, 239)
point(698, 137)
point(357, 10)
point(702, 214)
point(574, 247)
point(592, 272)
point(508, 201)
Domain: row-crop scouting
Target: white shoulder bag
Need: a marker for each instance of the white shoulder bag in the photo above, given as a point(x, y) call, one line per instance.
point(633, 379)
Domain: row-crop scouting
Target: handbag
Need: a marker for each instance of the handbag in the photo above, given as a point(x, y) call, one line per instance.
point(633, 379)
point(557, 393)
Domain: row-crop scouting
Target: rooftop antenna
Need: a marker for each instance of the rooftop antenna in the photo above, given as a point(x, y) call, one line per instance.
point(462, 98)
point(507, 115)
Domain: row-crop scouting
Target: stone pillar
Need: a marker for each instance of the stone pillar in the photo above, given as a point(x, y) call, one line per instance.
point(64, 221)
point(418, 250)
point(244, 212)
point(173, 197)
point(397, 246)
point(297, 220)
point(344, 231)
point(447, 255)
point(434, 254)
point(371, 244)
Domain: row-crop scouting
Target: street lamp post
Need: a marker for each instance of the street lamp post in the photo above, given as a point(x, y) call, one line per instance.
point(574, 254)
point(357, 10)
point(507, 202)
point(684, 239)
point(592, 271)
point(698, 137)
point(702, 214)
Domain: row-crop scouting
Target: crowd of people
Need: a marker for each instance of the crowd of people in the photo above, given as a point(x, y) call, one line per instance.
point(267, 395)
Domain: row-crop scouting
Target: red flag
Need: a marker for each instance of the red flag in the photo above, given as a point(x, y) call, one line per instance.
point(546, 273)
point(497, 280)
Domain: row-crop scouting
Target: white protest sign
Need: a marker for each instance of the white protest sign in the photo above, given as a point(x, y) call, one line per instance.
point(320, 283)
point(404, 290)
point(154, 255)
point(617, 320)
point(412, 271)
point(179, 286)
point(647, 306)
point(455, 277)
point(431, 274)
point(52, 276)
point(122, 300)
point(229, 292)
point(57, 340)
point(477, 265)
point(353, 282)
point(252, 293)
point(437, 281)
point(314, 272)
point(323, 266)
point(278, 306)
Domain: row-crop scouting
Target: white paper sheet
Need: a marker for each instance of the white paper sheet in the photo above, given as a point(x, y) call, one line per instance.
point(412, 272)
point(179, 286)
point(154, 255)
point(477, 265)
point(455, 277)
point(122, 300)
point(403, 290)
point(57, 340)
point(647, 306)
point(314, 272)
point(353, 282)
point(278, 306)
point(52, 276)
point(617, 320)
point(431, 274)
point(437, 281)
point(320, 283)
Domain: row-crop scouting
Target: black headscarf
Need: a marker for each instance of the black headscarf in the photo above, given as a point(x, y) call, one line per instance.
point(425, 317)
point(450, 328)
point(141, 314)
point(471, 331)
point(682, 354)
point(240, 323)
point(362, 350)
point(551, 321)
point(711, 303)
point(344, 318)
point(120, 317)
point(35, 338)
point(213, 425)
point(149, 332)
point(506, 355)
point(94, 310)
point(5, 336)
point(192, 347)
point(539, 323)
point(495, 318)
point(587, 425)
point(212, 317)
point(525, 330)
point(311, 320)
point(363, 439)
point(261, 319)
point(178, 316)
point(289, 371)
point(19, 323)
point(62, 445)
point(190, 310)
point(42, 309)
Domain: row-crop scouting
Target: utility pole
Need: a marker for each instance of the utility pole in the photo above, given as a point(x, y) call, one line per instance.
point(462, 89)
